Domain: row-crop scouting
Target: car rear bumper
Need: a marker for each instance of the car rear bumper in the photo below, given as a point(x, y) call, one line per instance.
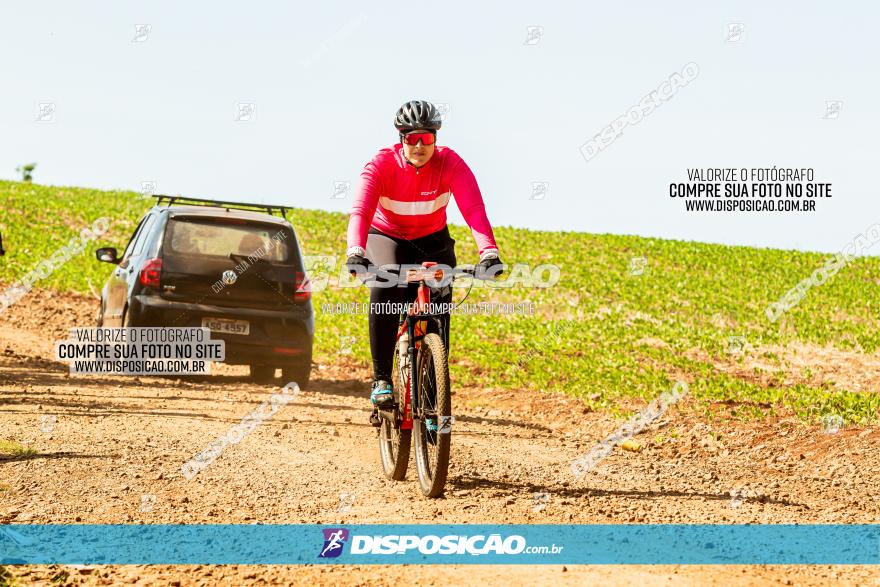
point(276, 337)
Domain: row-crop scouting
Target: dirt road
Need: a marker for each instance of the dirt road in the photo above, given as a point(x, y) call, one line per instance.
point(111, 450)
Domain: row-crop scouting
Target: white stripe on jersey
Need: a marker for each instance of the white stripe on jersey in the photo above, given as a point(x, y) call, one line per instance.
point(416, 208)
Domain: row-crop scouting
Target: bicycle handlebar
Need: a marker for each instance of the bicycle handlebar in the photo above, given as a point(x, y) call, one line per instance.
point(416, 275)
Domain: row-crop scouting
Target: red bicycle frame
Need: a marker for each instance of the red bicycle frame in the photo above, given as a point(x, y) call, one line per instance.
point(414, 325)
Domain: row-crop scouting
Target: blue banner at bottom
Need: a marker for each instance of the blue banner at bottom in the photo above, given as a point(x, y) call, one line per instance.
point(440, 544)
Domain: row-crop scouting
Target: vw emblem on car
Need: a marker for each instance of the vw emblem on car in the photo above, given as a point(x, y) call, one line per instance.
point(229, 277)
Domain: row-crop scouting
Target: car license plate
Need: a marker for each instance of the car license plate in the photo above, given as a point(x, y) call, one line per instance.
point(227, 326)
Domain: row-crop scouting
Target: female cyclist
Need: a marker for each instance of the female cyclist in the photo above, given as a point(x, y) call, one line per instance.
point(399, 217)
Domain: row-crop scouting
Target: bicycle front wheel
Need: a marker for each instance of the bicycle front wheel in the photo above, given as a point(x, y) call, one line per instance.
point(433, 425)
point(394, 442)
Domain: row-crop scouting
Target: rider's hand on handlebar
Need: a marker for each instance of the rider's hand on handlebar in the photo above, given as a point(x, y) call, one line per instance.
point(489, 267)
point(357, 263)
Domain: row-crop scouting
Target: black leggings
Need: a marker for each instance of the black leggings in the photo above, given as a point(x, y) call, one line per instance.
point(384, 249)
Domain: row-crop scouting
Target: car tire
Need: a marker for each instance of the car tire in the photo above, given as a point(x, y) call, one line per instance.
point(127, 320)
point(298, 373)
point(262, 373)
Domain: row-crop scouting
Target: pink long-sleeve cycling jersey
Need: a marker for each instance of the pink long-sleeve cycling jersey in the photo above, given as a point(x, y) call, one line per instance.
point(399, 200)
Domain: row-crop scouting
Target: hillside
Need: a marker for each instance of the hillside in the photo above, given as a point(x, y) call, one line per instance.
point(604, 333)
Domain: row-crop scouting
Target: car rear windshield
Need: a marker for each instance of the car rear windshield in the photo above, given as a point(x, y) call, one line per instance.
point(219, 238)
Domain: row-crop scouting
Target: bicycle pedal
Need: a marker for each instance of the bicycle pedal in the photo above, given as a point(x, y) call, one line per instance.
point(375, 420)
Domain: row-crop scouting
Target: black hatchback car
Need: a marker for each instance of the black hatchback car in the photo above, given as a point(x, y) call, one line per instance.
point(234, 268)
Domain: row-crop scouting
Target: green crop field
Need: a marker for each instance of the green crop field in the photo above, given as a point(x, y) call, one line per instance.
point(603, 333)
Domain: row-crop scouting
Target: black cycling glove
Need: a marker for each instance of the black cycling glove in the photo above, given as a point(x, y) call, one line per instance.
point(489, 267)
point(357, 264)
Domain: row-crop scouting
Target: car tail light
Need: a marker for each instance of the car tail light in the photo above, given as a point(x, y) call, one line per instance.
point(303, 291)
point(149, 276)
point(286, 351)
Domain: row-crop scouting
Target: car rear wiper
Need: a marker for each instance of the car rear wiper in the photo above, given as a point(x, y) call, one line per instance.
point(244, 259)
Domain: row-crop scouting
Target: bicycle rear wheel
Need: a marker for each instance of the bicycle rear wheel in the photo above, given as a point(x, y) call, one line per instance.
point(394, 442)
point(435, 402)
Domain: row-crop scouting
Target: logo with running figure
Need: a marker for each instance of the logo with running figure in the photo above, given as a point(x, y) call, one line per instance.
point(334, 541)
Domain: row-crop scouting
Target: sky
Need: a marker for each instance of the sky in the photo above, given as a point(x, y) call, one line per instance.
point(161, 92)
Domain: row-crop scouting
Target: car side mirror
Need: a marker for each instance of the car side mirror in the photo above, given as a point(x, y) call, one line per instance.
point(107, 255)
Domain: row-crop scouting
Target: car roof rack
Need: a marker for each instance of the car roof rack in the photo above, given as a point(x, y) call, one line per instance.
point(268, 208)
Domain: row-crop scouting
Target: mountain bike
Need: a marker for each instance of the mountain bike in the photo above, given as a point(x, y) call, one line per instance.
point(422, 396)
